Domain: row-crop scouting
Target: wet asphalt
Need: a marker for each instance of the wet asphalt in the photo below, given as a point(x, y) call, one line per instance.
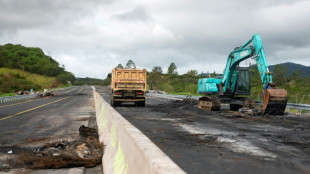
point(222, 141)
point(43, 118)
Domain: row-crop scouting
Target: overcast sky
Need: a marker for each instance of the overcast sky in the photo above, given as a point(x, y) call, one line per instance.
point(90, 37)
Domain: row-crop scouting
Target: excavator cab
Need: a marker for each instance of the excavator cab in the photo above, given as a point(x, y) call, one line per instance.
point(243, 82)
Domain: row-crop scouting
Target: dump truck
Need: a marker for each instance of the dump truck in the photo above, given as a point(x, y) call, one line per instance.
point(128, 85)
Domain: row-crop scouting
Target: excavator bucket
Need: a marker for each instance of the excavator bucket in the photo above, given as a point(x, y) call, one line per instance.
point(209, 103)
point(275, 101)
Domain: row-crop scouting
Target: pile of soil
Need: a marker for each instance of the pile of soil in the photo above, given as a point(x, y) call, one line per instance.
point(85, 151)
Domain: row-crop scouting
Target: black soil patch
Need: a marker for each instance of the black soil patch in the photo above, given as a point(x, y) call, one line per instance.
point(86, 151)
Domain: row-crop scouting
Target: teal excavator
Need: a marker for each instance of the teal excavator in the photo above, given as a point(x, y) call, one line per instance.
point(235, 83)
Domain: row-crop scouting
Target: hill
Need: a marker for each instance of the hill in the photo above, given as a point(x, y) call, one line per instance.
point(29, 59)
point(23, 68)
point(293, 67)
point(12, 80)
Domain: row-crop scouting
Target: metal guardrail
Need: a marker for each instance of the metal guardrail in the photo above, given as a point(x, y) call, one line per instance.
point(181, 97)
point(16, 98)
point(23, 97)
point(291, 105)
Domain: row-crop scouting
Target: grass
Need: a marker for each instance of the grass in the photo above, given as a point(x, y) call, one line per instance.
point(42, 81)
point(6, 94)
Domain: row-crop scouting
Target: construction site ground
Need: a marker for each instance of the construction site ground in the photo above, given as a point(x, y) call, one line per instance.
point(222, 141)
point(51, 134)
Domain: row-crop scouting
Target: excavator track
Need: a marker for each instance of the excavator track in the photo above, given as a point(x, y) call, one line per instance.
point(247, 103)
point(275, 101)
point(209, 103)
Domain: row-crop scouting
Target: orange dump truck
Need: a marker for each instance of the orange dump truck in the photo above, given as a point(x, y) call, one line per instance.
point(128, 85)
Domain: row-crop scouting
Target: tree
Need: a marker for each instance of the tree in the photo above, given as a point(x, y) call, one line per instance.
point(157, 69)
point(213, 74)
point(192, 72)
point(172, 69)
point(120, 66)
point(155, 78)
point(64, 78)
point(296, 77)
point(130, 64)
point(109, 76)
point(279, 75)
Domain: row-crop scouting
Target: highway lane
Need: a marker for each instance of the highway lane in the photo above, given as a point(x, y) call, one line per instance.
point(42, 118)
point(222, 141)
point(10, 109)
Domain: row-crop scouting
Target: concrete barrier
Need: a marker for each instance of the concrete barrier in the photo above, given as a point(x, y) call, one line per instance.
point(127, 150)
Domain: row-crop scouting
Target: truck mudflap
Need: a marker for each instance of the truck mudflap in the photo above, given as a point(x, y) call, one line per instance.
point(209, 103)
point(275, 101)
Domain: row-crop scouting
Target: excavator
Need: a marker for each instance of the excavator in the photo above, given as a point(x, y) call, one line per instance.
point(234, 85)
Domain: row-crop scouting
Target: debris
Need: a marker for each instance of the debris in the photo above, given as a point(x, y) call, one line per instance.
point(46, 93)
point(155, 92)
point(86, 131)
point(82, 150)
point(190, 100)
point(247, 111)
point(9, 152)
point(85, 151)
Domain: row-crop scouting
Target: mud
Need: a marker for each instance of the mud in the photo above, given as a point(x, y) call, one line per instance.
point(84, 151)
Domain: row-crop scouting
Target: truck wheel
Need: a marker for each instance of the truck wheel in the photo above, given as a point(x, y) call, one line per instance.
point(142, 104)
point(113, 103)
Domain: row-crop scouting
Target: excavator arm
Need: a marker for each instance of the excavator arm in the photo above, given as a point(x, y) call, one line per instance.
point(255, 51)
point(274, 100)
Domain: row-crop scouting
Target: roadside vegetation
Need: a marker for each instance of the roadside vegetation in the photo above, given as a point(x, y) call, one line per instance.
point(24, 68)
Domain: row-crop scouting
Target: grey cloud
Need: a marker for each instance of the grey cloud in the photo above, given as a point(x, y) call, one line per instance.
point(196, 35)
point(16, 14)
point(136, 14)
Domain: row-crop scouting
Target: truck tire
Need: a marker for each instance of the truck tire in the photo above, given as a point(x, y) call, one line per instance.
point(142, 104)
point(113, 103)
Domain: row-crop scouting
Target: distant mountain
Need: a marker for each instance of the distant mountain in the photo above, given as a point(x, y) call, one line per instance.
point(292, 67)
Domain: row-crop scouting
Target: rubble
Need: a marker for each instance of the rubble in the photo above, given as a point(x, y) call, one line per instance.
point(85, 151)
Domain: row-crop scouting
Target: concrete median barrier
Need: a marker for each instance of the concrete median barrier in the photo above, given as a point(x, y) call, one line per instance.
point(128, 150)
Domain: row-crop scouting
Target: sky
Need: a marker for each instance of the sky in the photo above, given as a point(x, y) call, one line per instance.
point(91, 37)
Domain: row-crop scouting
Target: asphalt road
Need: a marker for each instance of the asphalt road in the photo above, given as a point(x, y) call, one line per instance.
point(222, 141)
point(37, 119)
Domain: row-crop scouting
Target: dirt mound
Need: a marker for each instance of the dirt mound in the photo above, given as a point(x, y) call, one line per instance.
point(85, 151)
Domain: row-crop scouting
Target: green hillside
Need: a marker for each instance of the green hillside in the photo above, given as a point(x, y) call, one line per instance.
point(293, 67)
point(13, 79)
point(23, 68)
